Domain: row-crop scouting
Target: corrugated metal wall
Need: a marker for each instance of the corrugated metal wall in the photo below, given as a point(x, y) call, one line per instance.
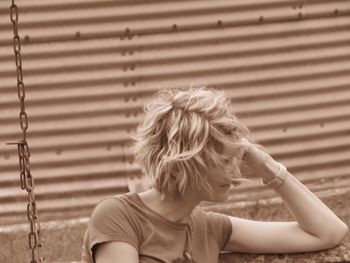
point(90, 65)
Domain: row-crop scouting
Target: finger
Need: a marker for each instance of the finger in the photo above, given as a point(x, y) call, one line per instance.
point(236, 149)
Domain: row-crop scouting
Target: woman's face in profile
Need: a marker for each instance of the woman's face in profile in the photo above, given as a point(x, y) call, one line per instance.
point(220, 179)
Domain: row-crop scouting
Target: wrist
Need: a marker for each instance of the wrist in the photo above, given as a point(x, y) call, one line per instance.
point(278, 179)
point(269, 169)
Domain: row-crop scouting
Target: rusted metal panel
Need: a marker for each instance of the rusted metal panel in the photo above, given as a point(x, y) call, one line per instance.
point(89, 67)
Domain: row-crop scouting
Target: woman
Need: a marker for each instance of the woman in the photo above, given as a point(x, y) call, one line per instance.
point(193, 148)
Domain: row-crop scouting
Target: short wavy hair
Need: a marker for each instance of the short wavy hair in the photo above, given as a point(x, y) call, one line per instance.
point(180, 136)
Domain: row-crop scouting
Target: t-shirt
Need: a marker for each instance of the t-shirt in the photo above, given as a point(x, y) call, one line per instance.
point(126, 218)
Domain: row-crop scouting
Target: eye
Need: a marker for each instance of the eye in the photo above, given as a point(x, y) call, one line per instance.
point(219, 147)
point(229, 159)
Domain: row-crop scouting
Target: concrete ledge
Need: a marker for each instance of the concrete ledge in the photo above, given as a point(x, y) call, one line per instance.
point(63, 239)
point(63, 244)
point(338, 254)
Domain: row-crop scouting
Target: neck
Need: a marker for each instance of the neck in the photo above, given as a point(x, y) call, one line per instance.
point(176, 210)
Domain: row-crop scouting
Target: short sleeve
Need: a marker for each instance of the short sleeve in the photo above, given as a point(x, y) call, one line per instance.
point(220, 227)
point(111, 221)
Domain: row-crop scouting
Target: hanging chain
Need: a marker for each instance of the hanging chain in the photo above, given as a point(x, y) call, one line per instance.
point(26, 178)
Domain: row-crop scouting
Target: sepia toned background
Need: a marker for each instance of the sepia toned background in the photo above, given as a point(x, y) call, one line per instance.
point(89, 66)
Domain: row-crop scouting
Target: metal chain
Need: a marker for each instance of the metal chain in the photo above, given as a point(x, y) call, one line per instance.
point(26, 178)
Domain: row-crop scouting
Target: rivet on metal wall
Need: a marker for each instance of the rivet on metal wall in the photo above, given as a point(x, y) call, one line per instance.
point(133, 83)
point(59, 151)
point(77, 34)
point(26, 38)
point(300, 15)
point(126, 99)
point(174, 27)
point(108, 148)
point(261, 19)
point(123, 53)
point(219, 23)
point(6, 156)
point(125, 84)
point(322, 124)
point(135, 113)
point(336, 11)
point(285, 129)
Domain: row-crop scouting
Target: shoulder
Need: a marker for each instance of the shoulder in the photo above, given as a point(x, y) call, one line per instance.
point(110, 202)
point(112, 220)
point(111, 209)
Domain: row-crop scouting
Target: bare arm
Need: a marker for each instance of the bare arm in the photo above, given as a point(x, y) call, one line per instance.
point(316, 226)
point(116, 252)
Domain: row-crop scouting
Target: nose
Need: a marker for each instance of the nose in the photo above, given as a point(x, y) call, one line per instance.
point(228, 177)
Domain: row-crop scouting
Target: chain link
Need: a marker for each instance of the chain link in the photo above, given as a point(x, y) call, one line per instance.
point(26, 178)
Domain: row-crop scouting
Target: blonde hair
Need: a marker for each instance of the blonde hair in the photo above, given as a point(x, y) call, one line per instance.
point(180, 135)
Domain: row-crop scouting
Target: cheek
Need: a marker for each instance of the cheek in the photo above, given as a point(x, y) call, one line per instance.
point(217, 176)
point(213, 177)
